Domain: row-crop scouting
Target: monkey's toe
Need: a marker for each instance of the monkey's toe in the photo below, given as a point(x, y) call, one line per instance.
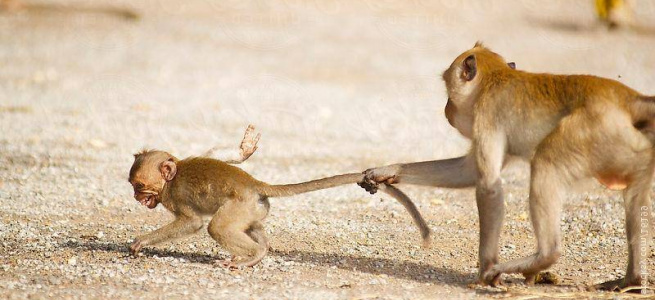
point(222, 263)
point(135, 247)
point(492, 278)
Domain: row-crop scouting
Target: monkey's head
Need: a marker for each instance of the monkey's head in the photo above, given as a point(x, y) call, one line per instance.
point(149, 174)
point(463, 79)
point(464, 74)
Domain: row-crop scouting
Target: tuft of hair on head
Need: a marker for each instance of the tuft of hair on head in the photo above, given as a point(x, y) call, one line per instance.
point(478, 44)
point(143, 151)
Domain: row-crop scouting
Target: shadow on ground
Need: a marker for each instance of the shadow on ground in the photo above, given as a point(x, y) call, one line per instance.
point(418, 272)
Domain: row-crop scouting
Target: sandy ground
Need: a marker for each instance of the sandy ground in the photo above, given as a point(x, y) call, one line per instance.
point(334, 86)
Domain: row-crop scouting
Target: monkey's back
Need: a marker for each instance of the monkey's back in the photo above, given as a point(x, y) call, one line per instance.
point(206, 183)
point(540, 100)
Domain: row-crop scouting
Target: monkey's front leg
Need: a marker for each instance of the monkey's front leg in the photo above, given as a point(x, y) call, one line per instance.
point(490, 154)
point(180, 227)
point(247, 147)
point(450, 173)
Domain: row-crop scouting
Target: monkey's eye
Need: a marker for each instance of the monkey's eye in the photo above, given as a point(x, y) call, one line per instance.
point(139, 185)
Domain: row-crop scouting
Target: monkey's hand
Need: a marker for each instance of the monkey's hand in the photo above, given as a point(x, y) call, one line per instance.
point(374, 177)
point(136, 246)
point(249, 143)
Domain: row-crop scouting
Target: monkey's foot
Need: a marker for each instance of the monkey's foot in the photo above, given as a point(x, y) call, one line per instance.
point(617, 285)
point(135, 247)
point(233, 263)
point(226, 263)
point(543, 278)
point(491, 278)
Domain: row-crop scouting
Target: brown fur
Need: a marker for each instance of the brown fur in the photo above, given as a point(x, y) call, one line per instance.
point(238, 203)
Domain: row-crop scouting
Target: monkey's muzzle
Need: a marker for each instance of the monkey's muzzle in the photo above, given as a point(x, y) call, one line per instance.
point(146, 199)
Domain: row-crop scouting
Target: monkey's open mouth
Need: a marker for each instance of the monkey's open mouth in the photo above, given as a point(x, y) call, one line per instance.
point(149, 201)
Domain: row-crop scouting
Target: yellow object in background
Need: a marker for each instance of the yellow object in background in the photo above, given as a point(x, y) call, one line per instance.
point(603, 7)
point(614, 12)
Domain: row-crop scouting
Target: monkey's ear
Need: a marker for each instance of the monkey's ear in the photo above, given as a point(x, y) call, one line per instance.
point(469, 68)
point(168, 169)
point(512, 65)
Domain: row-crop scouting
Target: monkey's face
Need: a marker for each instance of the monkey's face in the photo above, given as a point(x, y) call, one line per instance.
point(149, 174)
point(147, 187)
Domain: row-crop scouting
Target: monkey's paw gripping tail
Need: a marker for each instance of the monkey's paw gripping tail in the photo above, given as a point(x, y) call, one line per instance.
point(369, 185)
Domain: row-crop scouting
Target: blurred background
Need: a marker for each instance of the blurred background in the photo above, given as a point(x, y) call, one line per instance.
point(333, 85)
point(316, 76)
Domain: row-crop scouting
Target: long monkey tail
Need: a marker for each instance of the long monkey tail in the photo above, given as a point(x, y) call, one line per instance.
point(286, 190)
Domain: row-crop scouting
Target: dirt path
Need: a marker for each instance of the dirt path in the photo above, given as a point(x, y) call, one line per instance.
point(334, 86)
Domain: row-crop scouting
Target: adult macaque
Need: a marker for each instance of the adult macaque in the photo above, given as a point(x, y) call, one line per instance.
point(238, 203)
point(570, 127)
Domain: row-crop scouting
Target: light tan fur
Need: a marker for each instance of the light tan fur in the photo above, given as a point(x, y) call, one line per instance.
point(570, 128)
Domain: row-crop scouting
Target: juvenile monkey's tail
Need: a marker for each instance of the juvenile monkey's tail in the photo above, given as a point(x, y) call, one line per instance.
point(286, 190)
point(412, 210)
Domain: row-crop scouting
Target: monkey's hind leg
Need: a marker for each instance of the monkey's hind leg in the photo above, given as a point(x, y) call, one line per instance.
point(238, 229)
point(637, 222)
point(258, 234)
point(556, 165)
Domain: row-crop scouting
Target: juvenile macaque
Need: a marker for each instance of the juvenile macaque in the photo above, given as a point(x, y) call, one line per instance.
point(570, 127)
point(238, 203)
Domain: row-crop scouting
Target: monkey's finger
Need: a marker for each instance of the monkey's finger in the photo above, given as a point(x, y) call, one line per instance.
point(391, 180)
point(382, 179)
point(371, 188)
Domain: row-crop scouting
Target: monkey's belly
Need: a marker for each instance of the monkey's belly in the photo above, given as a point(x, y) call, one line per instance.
point(613, 182)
